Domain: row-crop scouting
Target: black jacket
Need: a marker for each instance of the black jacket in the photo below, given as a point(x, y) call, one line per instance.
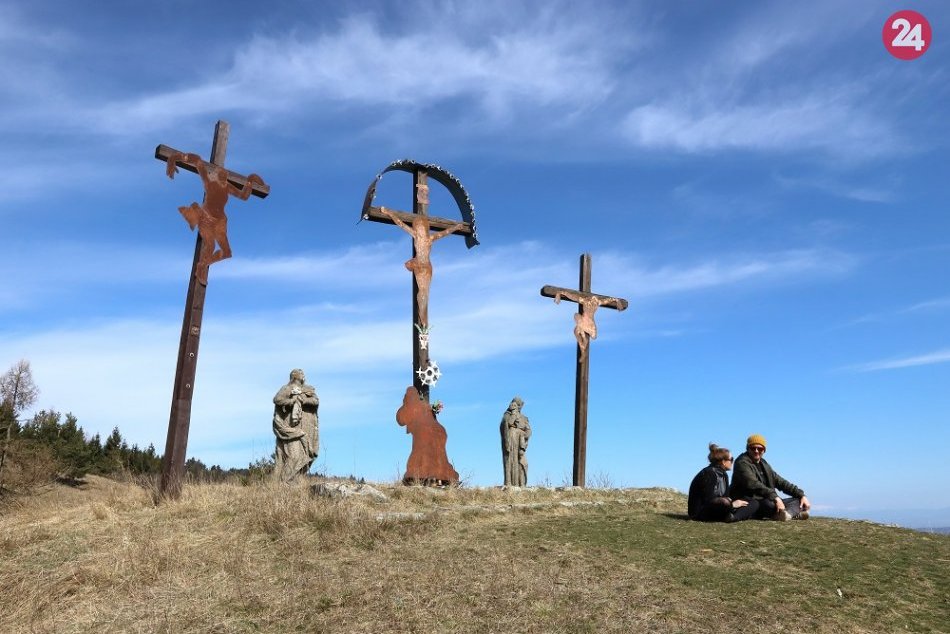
point(710, 483)
point(759, 481)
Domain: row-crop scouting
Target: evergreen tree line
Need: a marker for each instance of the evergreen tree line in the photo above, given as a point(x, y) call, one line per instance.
point(59, 443)
point(63, 439)
point(52, 446)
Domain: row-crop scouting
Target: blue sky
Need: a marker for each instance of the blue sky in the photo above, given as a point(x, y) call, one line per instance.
point(763, 182)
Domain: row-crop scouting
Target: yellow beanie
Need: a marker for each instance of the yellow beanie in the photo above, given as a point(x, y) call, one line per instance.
point(755, 439)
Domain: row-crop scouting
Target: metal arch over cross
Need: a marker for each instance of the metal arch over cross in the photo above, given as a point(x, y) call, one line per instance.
point(212, 228)
point(419, 225)
point(585, 329)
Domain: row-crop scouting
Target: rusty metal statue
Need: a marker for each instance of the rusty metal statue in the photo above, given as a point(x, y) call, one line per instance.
point(209, 216)
point(420, 264)
point(585, 328)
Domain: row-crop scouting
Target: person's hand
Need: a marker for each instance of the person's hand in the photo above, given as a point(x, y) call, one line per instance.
point(738, 504)
point(805, 503)
point(780, 505)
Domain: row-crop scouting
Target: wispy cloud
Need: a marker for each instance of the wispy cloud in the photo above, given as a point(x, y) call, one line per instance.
point(880, 192)
point(640, 280)
point(929, 306)
point(830, 123)
point(718, 104)
point(939, 356)
point(559, 60)
point(939, 304)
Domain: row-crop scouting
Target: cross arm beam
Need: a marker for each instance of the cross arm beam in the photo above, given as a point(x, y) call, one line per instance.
point(374, 214)
point(617, 303)
point(163, 153)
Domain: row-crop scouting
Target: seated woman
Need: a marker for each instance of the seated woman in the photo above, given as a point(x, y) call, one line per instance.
point(709, 490)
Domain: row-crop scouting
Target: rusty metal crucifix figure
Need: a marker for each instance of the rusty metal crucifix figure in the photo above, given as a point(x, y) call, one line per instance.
point(585, 329)
point(211, 221)
point(419, 225)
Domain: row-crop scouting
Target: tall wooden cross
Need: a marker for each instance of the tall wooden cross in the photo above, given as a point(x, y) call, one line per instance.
point(585, 329)
point(419, 224)
point(211, 229)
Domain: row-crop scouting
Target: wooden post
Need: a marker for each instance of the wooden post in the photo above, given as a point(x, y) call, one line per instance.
point(581, 382)
point(420, 356)
point(176, 443)
point(584, 331)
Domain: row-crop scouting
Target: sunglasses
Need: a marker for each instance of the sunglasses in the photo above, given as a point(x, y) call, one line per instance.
point(757, 449)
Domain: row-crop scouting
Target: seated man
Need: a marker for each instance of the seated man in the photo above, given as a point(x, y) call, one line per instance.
point(754, 478)
point(708, 501)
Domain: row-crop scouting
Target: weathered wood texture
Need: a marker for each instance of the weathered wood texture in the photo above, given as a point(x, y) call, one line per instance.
point(435, 223)
point(619, 302)
point(581, 383)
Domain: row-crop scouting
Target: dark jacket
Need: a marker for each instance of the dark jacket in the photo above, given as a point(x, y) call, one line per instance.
point(710, 483)
point(759, 481)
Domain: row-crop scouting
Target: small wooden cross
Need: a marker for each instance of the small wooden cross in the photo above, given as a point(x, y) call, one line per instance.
point(419, 224)
point(584, 330)
point(176, 444)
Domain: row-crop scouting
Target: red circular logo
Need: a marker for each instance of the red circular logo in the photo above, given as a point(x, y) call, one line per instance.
point(906, 35)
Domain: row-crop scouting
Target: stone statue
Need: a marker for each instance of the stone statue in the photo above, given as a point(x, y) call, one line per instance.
point(296, 427)
point(515, 432)
point(428, 463)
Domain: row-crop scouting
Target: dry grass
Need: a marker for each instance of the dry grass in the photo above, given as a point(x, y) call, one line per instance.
point(227, 558)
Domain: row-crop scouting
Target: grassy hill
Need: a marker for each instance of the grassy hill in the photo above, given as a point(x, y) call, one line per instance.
point(226, 558)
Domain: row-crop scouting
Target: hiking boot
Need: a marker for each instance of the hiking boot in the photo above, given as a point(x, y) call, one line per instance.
point(782, 516)
point(801, 516)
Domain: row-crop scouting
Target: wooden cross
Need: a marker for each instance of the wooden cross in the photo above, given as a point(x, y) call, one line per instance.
point(584, 330)
point(173, 462)
point(419, 224)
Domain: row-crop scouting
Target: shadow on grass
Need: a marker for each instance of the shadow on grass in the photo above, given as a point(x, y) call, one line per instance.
point(677, 516)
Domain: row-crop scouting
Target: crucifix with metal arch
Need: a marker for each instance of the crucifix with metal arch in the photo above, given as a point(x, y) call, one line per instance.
point(585, 329)
point(211, 222)
point(419, 224)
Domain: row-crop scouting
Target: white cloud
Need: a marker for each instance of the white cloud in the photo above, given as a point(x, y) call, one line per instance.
point(880, 192)
point(550, 61)
point(939, 304)
point(635, 279)
point(938, 356)
point(816, 123)
point(754, 87)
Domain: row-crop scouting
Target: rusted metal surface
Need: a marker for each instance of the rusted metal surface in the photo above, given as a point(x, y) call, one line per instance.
point(179, 422)
point(209, 216)
point(428, 463)
point(585, 329)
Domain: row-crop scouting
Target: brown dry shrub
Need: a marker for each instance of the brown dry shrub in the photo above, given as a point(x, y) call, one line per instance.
point(28, 466)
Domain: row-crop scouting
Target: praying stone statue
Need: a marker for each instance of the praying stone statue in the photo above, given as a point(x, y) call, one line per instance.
point(296, 427)
point(515, 432)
